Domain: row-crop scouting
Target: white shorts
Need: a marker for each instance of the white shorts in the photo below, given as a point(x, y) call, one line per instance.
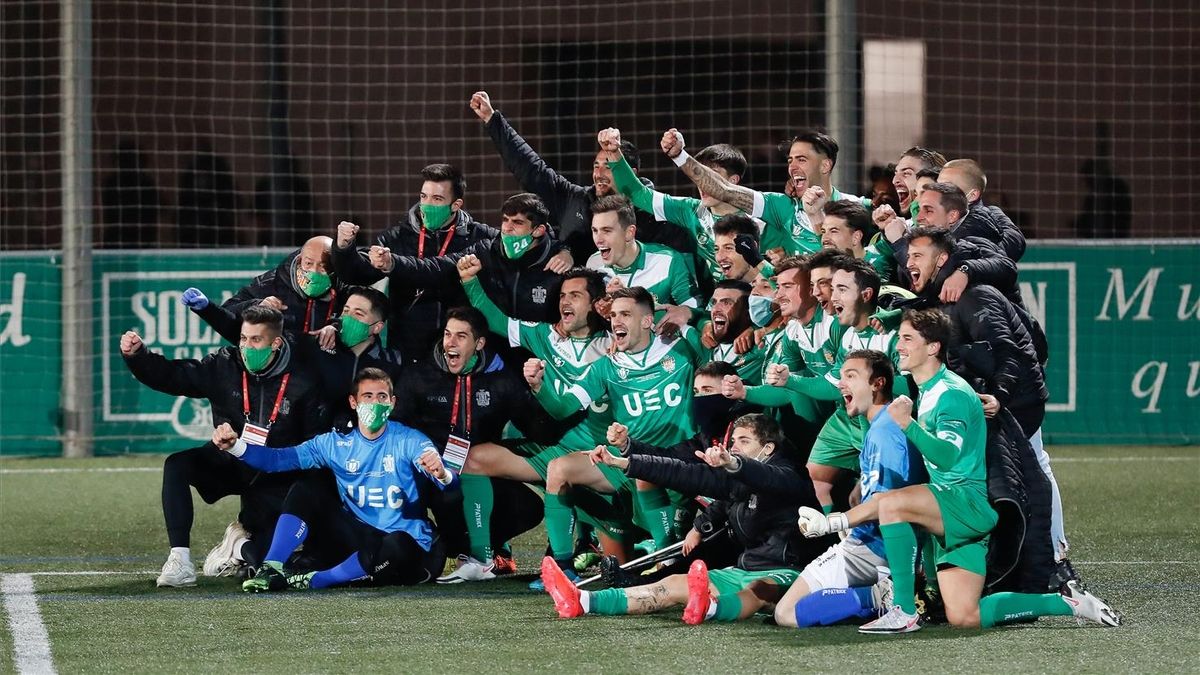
point(847, 564)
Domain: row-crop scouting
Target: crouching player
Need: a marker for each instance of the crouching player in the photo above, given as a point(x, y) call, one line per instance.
point(953, 507)
point(850, 580)
point(757, 483)
point(379, 523)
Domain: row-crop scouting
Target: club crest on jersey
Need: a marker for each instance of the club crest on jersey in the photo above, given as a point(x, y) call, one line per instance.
point(389, 464)
point(285, 406)
point(352, 465)
point(539, 295)
point(623, 373)
point(558, 361)
point(483, 398)
point(668, 364)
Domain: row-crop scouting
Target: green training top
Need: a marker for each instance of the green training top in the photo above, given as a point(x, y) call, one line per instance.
point(950, 432)
point(658, 269)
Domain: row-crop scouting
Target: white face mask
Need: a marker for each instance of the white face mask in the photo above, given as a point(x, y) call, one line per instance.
point(760, 310)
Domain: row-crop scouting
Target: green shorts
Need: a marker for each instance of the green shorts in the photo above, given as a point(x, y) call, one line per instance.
point(539, 456)
point(968, 519)
point(732, 580)
point(839, 442)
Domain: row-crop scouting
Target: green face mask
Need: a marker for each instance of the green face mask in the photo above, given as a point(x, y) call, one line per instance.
point(256, 358)
point(314, 283)
point(515, 245)
point(434, 215)
point(353, 331)
point(373, 415)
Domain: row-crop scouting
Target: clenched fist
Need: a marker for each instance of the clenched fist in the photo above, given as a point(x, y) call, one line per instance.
point(346, 233)
point(481, 104)
point(224, 437)
point(131, 343)
point(535, 372)
point(777, 375)
point(733, 387)
point(380, 258)
point(468, 267)
point(610, 142)
point(901, 411)
point(432, 463)
point(672, 143)
point(618, 436)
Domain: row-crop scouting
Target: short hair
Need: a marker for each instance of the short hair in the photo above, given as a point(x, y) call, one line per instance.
point(529, 205)
point(765, 429)
point(865, 276)
point(374, 297)
point(878, 365)
point(440, 173)
point(632, 156)
point(717, 369)
point(261, 315)
point(620, 205)
point(373, 375)
point(950, 197)
point(594, 280)
point(824, 258)
point(933, 325)
point(941, 238)
point(639, 296)
point(735, 224)
point(930, 159)
point(735, 284)
point(932, 174)
point(725, 156)
point(472, 316)
point(971, 171)
point(794, 262)
point(821, 142)
point(855, 214)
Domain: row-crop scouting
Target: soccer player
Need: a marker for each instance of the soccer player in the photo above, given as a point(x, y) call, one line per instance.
point(568, 347)
point(848, 227)
point(375, 521)
point(648, 380)
point(951, 435)
point(911, 162)
point(738, 247)
point(729, 320)
point(850, 579)
point(756, 482)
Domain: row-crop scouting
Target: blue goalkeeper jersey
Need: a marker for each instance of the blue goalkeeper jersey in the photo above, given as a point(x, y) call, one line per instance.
point(887, 462)
point(378, 479)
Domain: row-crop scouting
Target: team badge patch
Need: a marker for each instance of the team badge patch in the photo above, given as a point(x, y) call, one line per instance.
point(539, 295)
point(668, 364)
point(389, 464)
point(558, 361)
point(483, 398)
point(622, 373)
point(352, 466)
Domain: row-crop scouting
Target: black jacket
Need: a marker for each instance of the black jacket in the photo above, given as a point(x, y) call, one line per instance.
point(1012, 239)
point(1020, 553)
point(992, 224)
point(425, 400)
point(571, 204)
point(757, 504)
point(226, 319)
point(418, 312)
point(335, 371)
point(218, 378)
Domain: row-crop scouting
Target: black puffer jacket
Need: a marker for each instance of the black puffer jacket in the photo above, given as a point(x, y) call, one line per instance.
point(302, 312)
point(1012, 239)
point(218, 378)
point(757, 504)
point(1020, 553)
point(992, 224)
point(336, 369)
point(418, 312)
point(571, 204)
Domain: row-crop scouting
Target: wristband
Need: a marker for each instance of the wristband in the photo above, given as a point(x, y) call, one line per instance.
point(838, 522)
point(682, 158)
point(238, 448)
point(449, 476)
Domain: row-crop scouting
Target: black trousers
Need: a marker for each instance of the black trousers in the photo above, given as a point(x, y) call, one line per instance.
point(216, 474)
point(517, 509)
point(335, 534)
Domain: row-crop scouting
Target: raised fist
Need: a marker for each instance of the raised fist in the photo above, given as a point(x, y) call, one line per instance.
point(380, 258)
point(535, 372)
point(777, 375)
point(481, 104)
point(814, 199)
point(346, 233)
point(432, 463)
point(618, 436)
point(672, 143)
point(468, 267)
point(224, 437)
point(901, 411)
point(733, 387)
point(131, 343)
point(194, 299)
point(881, 215)
point(610, 142)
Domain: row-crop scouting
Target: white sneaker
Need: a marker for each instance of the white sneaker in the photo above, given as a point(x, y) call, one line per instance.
point(468, 569)
point(223, 559)
point(1087, 606)
point(894, 622)
point(881, 595)
point(177, 572)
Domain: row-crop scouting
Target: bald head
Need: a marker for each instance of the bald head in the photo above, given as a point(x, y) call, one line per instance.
point(315, 256)
point(967, 175)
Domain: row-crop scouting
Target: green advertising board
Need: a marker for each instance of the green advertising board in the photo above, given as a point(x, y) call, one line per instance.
point(1121, 319)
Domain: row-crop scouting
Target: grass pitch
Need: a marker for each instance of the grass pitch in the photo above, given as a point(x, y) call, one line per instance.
point(1131, 512)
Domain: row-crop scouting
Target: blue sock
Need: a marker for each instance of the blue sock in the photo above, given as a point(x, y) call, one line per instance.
point(347, 570)
point(834, 605)
point(290, 532)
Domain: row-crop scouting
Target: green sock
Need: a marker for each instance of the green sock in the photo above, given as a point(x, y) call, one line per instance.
point(900, 543)
point(729, 607)
point(1002, 608)
point(827, 508)
point(477, 509)
point(560, 526)
point(610, 601)
point(657, 515)
point(929, 562)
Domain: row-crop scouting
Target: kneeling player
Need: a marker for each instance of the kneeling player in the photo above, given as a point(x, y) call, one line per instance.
point(850, 579)
point(378, 523)
point(757, 484)
point(953, 507)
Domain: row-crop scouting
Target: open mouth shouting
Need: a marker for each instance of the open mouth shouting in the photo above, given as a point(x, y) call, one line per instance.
point(605, 253)
point(454, 360)
point(799, 183)
point(621, 336)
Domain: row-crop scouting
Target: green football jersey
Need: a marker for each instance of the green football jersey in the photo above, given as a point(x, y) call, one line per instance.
point(787, 225)
point(658, 269)
point(809, 343)
point(881, 260)
point(950, 410)
point(867, 338)
point(650, 391)
point(749, 365)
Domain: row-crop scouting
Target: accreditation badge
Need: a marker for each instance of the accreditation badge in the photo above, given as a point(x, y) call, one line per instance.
point(455, 453)
point(253, 434)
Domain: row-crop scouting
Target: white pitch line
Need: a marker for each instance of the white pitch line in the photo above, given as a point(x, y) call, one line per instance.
point(111, 469)
point(90, 573)
point(31, 644)
point(1131, 458)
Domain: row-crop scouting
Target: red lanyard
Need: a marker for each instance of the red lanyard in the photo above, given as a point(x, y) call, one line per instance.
point(454, 408)
point(728, 431)
point(328, 311)
point(278, 399)
point(442, 250)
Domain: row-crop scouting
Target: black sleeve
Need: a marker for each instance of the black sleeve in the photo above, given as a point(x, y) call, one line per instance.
point(986, 264)
point(986, 320)
point(223, 320)
point(1011, 237)
point(781, 480)
point(352, 267)
point(684, 451)
point(408, 392)
point(530, 169)
point(180, 377)
point(689, 478)
point(409, 269)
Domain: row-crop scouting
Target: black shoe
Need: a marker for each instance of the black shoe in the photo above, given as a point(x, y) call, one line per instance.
point(1064, 572)
point(612, 574)
point(269, 577)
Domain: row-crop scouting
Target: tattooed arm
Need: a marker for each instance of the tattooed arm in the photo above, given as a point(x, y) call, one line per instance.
point(707, 181)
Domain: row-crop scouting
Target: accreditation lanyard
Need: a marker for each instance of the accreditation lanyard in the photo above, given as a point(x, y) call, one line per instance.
point(728, 433)
point(457, 398)
point(441, 251)
point(278, 399)
point(328, 312)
